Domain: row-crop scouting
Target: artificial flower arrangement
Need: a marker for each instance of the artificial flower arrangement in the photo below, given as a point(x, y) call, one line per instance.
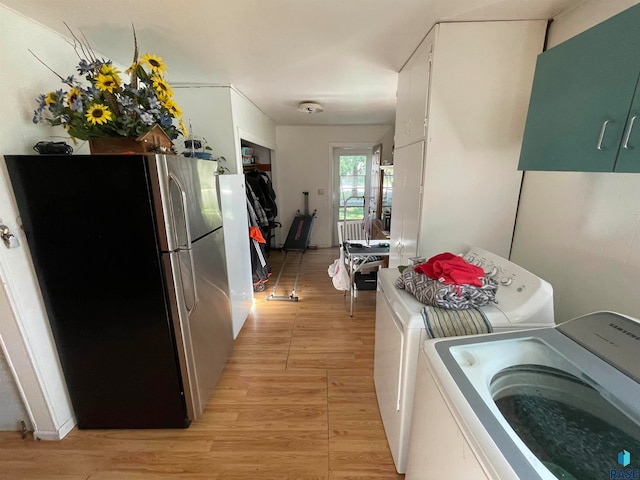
point(105, 106)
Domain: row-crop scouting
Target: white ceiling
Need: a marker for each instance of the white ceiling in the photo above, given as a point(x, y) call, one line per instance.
point(344, 54)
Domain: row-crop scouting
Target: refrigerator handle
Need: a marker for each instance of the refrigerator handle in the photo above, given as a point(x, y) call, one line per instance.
point(194, 284)
point(187, 247)
point(185, 213)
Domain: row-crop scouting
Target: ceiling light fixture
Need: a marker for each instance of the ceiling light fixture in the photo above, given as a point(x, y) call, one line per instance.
point(310, 107)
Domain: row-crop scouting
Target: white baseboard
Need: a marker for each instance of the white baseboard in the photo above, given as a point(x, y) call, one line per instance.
point(55, 435)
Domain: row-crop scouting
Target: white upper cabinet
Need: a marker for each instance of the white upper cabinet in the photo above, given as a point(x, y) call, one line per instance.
point(413, 95)
point(462, 103)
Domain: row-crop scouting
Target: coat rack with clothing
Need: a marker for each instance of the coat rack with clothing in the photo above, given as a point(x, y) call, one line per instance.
point(262, 198)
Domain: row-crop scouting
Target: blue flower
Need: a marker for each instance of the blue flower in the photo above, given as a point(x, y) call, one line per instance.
point(125, 101)
point(83, 67)
point(77, 105)
point(147, 118)
point(165, 120)
point(92, 92)
point(40, 101)
point(154, 104)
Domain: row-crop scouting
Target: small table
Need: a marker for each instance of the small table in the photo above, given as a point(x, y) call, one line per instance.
point(363, 253)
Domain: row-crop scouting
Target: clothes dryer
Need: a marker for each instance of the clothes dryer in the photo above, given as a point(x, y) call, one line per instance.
point(524, 301)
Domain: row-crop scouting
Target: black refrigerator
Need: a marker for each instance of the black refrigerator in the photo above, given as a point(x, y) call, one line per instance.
point(129, 255)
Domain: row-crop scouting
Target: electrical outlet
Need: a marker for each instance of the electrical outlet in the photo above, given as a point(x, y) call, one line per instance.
point(321, 191)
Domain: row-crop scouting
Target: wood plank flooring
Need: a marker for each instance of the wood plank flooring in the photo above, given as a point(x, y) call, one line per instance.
point(295, 401)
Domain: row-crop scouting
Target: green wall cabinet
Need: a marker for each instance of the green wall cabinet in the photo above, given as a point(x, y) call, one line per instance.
point(584, 101)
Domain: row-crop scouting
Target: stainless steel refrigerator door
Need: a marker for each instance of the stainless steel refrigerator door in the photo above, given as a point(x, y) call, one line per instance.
point(204, 326)
point(171, 263)
point(196, 272)
point(210, 320)
point(186, 197)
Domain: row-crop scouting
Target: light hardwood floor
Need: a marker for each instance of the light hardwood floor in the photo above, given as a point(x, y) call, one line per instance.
point(295, 401)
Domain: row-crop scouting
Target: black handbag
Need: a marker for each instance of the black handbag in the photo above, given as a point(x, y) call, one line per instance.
point(53, 148)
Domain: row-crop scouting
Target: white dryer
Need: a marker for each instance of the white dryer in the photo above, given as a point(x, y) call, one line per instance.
point(524, 301)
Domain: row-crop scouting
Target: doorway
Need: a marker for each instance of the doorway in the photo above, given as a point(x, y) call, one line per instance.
point(352, 178)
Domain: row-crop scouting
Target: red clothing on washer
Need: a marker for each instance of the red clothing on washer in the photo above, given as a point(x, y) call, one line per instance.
point(451, 269)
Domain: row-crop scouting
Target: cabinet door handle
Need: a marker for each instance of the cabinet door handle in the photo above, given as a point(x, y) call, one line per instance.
point(628, 134)
point(602, 130)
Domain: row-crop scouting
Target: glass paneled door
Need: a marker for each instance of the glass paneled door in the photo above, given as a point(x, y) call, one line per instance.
point(352, 178)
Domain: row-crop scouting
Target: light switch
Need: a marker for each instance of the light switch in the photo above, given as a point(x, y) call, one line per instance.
point(321, 191)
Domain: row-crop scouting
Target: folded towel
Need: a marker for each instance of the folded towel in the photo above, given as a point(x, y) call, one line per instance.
point(452, 323)
point(451, 269)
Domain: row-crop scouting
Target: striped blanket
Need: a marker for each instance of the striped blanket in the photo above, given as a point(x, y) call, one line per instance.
point(455, 297)
point(441, 322)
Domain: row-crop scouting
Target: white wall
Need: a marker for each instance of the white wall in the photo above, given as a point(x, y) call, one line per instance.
point(304, 162)
point(208, 111)
point(24, 329)
point(224, 116)
point(581, 231)
point(387, 147)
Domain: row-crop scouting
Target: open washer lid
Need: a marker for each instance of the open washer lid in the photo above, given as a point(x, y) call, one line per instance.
point(611, 336)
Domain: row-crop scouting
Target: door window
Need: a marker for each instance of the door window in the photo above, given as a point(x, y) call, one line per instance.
point(352, 178)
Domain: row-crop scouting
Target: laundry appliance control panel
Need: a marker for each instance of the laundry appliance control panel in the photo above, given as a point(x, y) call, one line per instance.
point(518, 289)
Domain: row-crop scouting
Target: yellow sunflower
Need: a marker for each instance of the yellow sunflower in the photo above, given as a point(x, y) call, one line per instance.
point(98, 114)
point(108, 69)
point(161, 87)
point(155, 63)
point(73, 95)
point(106, 83)
point(175, 110)
point(172, 106)
point(133, 66)
point(183, 128)
point(50, 98)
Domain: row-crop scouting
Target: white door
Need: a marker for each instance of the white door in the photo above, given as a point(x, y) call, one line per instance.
point(407, 198)
point(352, 178)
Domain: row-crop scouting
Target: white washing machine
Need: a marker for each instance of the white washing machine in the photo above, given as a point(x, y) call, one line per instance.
point(524, 301)
point(557, 402)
